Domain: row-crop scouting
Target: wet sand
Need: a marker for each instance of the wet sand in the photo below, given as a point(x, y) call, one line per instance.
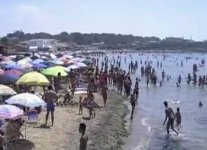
point(105, 131)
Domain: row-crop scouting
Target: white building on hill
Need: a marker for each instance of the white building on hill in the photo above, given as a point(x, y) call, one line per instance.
point(44, 44)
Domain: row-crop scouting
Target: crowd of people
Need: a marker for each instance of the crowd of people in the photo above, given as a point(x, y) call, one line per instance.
point(105, 74)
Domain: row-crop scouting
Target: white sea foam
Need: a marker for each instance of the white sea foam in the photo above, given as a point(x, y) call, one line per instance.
point(142, 145)
point(145, 123)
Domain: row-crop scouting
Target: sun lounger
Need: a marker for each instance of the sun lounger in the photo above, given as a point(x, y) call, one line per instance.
point(32, 116)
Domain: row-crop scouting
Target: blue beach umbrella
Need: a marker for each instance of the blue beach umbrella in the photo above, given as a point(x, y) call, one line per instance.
point(13, 66)
point(8, 78)
point(37, 61)
point(48, 63)
point(39, 66)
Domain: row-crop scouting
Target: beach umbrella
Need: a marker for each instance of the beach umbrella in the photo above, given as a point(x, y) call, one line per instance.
point(33, 78)
point(10, 112)
point(39, 66)
point(69, 56)
point(37, 61)
point(26, 66)
point(6, 90)
point(80, 64)
point(5, 63)
point(48, 63)
point(77, 59)
point(26, 99)
point(13, 66)
point(13, 72)
point(1, 71)
point(53, 56)
point(53, 71)
point(8, 78)
point(24, 61)
point(58, 62)
point(72, 67)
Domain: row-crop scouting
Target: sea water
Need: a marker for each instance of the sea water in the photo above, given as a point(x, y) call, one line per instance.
point(147, 131)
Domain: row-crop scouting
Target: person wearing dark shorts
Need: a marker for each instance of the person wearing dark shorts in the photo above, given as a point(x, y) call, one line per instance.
point(170, 116)
point(50, 98)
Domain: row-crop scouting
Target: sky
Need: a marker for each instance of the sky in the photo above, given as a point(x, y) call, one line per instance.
point(161, 18)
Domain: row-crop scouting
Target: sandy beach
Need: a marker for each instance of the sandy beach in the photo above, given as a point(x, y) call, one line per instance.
point(105, 131)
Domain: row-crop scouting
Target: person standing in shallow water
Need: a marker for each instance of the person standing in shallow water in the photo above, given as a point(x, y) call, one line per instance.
point(170, 117)
point(133, 103)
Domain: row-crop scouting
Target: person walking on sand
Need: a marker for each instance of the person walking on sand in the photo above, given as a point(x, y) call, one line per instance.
point(84, 138)
point(104, 93)
point(50, 98)
point(170, 116)
point(133, 103)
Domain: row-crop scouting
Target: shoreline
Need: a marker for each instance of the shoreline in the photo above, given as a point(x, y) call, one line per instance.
point(111, 129)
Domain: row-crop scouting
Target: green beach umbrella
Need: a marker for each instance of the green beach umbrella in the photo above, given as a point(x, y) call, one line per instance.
point(53, 71)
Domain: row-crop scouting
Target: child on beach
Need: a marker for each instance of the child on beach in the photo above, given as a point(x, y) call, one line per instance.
point(80, 105)
point(84, 138)
point(178, 118)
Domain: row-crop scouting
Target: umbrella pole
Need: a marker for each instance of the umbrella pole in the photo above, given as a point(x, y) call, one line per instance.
point(25, 133)
point(6, 147)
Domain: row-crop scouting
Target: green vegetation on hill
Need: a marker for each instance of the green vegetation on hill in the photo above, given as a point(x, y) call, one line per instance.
point(114, 41)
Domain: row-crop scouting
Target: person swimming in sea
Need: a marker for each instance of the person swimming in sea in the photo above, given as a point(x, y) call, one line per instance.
point(200, 104)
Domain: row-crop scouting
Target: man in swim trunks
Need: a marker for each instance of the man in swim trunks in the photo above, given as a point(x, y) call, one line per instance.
point(170, 116)
point(50, 98)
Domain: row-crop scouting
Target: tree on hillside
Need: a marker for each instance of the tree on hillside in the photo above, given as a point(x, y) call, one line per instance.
point(4, 40)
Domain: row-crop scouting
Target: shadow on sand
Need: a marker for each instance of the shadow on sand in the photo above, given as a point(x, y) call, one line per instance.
point(43, 126)
point(22, 144)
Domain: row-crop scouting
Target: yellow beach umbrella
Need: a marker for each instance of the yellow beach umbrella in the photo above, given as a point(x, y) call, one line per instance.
point(33, 78)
